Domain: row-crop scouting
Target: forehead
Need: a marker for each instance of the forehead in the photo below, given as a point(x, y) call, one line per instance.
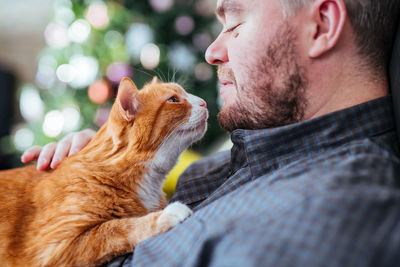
point(175, 87)
point(161, 89)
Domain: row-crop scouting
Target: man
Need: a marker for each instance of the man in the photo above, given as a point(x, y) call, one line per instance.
point(312, 178)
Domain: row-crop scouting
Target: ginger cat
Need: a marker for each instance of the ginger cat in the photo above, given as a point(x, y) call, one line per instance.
point(103, 201)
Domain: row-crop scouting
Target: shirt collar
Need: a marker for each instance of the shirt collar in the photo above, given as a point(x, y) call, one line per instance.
point(268, 149)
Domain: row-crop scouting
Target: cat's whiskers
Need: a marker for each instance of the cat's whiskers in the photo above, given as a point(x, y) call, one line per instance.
point(144, 72)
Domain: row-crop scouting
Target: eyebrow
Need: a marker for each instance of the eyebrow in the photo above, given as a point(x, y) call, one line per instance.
point(228, 6)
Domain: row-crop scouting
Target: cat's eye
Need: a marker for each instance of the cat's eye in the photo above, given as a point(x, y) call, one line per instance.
point(173, 99)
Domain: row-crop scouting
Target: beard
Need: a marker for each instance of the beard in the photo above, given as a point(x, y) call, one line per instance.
point(273, 94)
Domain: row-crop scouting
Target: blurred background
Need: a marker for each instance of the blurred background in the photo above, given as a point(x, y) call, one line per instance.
point(61, 62)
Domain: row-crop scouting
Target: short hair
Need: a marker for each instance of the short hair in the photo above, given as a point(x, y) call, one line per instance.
point(374, 23)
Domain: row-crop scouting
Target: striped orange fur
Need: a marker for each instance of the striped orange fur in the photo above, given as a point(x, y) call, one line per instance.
point(103, 201)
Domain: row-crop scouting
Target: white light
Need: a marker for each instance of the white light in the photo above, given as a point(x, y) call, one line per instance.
point(150, 56)
point(56, 36)
point(97, 15)
point(66, 73)
point(45, 77)
point(30, 104)
point(46, 73)
point(63, 15)
point(181, 57)
point(138, 36)
point(53, 123)
point(79, 31)
point(23, 139)
point(86, 69)
point(72, 119)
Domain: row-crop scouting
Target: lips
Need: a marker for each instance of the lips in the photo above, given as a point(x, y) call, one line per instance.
point(225, 86)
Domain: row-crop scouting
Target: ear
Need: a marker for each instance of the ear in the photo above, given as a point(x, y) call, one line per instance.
point(155, 80)
point(128, 99)
point(328, 19)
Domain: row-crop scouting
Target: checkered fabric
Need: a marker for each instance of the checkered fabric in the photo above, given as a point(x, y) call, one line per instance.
point(323, 192)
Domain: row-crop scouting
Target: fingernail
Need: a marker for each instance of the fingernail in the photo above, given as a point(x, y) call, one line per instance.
point(41, 164)
point(54, 163)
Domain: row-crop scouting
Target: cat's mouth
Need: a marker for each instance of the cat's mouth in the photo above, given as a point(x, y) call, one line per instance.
point(198, 128)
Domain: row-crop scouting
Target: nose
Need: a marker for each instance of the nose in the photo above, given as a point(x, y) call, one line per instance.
point(216, 53)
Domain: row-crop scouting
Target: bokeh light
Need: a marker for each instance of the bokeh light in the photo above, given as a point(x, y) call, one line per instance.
point(116, 71)
point(113, 39)
point(203, 72)
point(23, 138)
point(30, 104)
point(46, 72)
point(201, 41)
point(65, 73)
point(150, 56)
point(181, 57)
point(53, 123)
point(161, 5)
point(85, 70)
point(56, 36)
point(79, 31)
point(138, 35)
point(99, 92)
point(205, 8)
point(97, 15)
point(72, 119)
point(184, 25)
point(63, 15)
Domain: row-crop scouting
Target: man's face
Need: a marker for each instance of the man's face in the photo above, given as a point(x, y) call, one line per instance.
point(262, 83)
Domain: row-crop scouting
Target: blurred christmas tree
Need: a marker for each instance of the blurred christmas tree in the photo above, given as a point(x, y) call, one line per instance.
point(91, 45)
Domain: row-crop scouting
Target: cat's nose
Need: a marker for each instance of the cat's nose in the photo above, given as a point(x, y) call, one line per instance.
point(203, 104)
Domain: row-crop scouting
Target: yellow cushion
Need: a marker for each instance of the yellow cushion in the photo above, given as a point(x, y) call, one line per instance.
point(187, 158)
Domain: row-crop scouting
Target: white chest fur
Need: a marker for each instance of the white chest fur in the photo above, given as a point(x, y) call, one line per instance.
point(151, 186)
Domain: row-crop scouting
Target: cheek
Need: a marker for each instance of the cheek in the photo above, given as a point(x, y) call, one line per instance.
point(244, 52)
point(176, 115)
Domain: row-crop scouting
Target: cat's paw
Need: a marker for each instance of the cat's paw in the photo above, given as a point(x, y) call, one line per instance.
point(174, 213)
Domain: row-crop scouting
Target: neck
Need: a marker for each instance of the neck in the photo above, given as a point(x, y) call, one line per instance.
point(343, 87)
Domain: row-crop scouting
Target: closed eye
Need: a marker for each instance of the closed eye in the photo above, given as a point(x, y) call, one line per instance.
point(173, 99)
point(231, 29)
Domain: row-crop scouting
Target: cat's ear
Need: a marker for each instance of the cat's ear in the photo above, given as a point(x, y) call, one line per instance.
point(155, 80)
point(128, 99)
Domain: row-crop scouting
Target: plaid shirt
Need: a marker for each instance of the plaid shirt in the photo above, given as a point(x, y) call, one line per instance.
point(323, 192)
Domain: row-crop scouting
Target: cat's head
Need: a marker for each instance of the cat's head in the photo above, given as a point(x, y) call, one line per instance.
point(158, 115)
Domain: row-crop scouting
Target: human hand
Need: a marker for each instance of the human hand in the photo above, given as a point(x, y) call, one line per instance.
point(52, 154)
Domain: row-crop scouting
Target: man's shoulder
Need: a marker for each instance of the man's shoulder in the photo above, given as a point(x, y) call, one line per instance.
point(214, 163)
point(202, 178)
point(360, 160)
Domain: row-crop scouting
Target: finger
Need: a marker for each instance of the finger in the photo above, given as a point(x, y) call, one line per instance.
point(61, 151)
point(80, 140)
point(45, 156)
point(31, 154)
